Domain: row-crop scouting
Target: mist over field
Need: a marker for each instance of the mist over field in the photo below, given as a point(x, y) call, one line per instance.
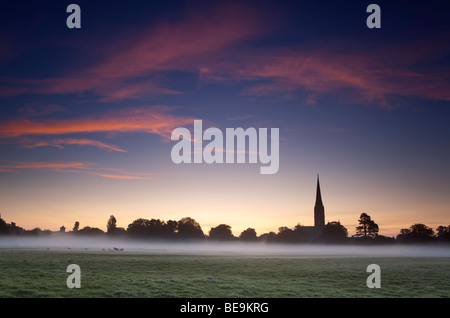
point(96, 244)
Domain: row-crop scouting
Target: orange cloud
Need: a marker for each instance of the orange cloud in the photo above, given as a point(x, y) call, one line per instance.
point(154, 120)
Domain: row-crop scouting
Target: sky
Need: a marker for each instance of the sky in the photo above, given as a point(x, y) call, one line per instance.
point(87, 113)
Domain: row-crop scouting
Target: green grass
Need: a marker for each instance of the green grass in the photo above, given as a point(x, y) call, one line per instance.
point(40, 273)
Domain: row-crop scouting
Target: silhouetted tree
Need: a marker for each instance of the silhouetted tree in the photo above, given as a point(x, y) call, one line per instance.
point(16, 230)
point(300, 234)
point(285, 235)
point(111, 225)
point(157, 227)
point(144, 227)
point(188, 228)
point(138, 227)
point(36, 231)
point(417, 233)
point(153, 228)
point(367, 227)
point(112, 229)
point(4, 228)
point(76, 226)
point(269, 237)
point(221, 232)
point(249, 235)
point(403, 236)
point(421, 230)
point(381, 239)
point(334, 232)
point(443, 233)
point(87, 230)
point(405, 232)
point(171, 228)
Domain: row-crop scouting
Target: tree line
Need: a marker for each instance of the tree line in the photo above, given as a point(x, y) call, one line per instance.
point(189, 229)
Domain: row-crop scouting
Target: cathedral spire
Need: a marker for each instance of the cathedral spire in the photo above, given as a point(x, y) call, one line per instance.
point(318, 194)
point(319, 209)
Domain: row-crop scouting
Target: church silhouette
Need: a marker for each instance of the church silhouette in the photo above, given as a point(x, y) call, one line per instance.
point(315, 231)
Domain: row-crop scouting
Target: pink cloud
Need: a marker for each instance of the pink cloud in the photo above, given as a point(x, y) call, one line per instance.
point(59, 143)
point(46, 165)
point(351, 76)
point(74, 167)
point(167, 46)
point(155, 120)
point(209, 45)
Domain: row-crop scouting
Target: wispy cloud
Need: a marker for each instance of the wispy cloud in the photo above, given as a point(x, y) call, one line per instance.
point(155, 120)
point(60, 143)
point(74, 167)
point(210, 45)
point(29, 133)
point(131, 69)
point(351, 76)
point(55, 166)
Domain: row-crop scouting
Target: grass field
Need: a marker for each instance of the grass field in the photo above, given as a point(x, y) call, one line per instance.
point(42, 273)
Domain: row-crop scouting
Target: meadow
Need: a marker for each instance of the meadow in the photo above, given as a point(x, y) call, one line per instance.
point(42, 273)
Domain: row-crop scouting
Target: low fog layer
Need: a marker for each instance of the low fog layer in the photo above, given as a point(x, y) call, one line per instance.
point(229, 248)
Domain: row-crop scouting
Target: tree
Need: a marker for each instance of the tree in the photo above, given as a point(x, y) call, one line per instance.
point(249, 235)
point(420, 233)
point(285, 235)
point(443, 233)
point(112, 229)
point(421, 230)
point(138, 227)
point(188, 228)
point(300, 234)
point(4, 228)
point(268, 237)
point(367, 227)
point(405, 232)
point(36, 231)
point(111, 225)
point(403, 236)
point(87, 230)
point(171, 229)
point(156, 227)
point(334, 232)
point(381, 239)
point(417, 233)
point(76, 226)
point(221, 232)
point(153, 228)
point(296, 235)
